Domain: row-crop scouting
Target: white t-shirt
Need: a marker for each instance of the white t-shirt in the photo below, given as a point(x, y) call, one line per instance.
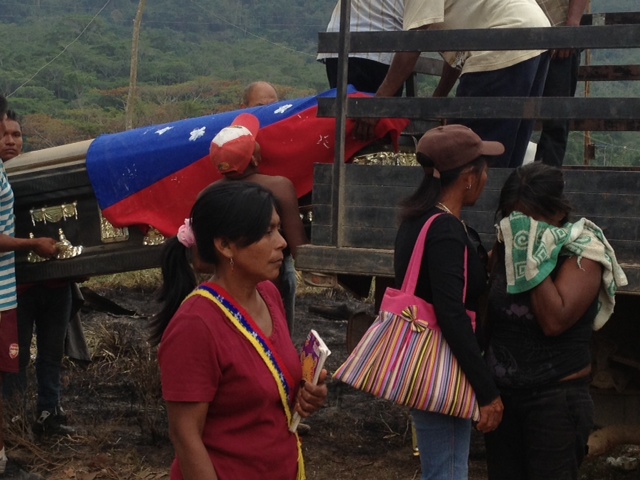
point(369, 16)
point(469, 14)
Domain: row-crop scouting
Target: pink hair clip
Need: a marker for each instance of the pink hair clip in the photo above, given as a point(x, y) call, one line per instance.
point(185, 234)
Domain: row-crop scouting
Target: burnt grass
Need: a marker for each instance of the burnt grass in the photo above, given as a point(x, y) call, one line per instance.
point(115, 404)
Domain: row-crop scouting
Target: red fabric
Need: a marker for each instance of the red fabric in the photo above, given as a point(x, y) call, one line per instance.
point(289, 149)
point(204, 358)
point(9, 349)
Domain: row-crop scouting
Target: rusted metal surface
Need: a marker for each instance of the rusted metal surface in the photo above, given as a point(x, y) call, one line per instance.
point(614, 18)
point(600, 73)
point(595, 37)
point(495, 107)
point(609, 197)
point(604, 125)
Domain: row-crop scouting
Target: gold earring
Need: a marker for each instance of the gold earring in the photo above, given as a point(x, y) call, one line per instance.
point(231, 263)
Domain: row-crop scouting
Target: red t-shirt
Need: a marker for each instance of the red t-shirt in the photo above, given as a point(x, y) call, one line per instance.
point(204, 358)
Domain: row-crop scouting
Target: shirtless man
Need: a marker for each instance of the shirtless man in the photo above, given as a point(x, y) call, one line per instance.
point(236, 155)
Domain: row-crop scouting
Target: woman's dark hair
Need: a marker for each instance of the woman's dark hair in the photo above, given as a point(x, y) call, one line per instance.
point(534, 189)
point(239, 212)
point(431, 188)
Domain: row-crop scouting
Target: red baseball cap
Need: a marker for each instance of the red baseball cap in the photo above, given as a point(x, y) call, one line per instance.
point(232, 148)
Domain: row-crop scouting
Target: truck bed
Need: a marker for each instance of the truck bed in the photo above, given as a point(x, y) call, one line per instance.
point(608, 197)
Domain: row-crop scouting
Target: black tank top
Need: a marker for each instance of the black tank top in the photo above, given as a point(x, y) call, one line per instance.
point(519, 354)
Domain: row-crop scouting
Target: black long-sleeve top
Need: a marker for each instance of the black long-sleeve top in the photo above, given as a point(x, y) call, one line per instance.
point(441, 283)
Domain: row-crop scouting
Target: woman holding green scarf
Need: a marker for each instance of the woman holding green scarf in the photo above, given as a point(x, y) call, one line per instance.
point(231, 376)
point(552, 284)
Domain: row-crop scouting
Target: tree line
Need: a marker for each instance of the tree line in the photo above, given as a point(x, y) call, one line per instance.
point(65, 63)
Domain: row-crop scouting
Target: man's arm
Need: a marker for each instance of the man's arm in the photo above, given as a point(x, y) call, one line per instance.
point(401, 67)
point(292, 226)
point(448, 79)
point(575, 12)
point(43, 246)
point(574, 15)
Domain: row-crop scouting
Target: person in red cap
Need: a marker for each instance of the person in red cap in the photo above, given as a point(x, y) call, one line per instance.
point(454, 160)
point(236, 154)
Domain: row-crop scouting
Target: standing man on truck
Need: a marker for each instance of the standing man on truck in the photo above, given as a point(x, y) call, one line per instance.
point(481, 73)
point(366, 70)
point(562, 79)
point(9, 346)
point(44, 308)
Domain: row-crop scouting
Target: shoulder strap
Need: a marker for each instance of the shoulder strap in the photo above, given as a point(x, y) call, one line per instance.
point(243, 322)
point(413, 270)
point(239, 317)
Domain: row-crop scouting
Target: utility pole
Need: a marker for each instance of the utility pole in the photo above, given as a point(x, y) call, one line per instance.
point(133, 76)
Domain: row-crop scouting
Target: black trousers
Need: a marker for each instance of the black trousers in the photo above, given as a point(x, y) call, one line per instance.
point(364, 74)
point(562, 79)
point(543, 434)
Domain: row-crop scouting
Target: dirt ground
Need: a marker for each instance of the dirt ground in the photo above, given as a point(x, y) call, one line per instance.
point(114, 402)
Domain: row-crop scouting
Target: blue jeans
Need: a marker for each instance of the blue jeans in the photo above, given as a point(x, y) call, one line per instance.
point(443, 442)
point(49, 310)
point(524, 79)
point(543, 434)
point(288, 283)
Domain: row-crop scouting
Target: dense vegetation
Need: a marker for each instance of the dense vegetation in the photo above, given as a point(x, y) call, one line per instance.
point(65, 64)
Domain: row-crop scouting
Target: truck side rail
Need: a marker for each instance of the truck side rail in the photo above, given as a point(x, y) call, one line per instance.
point(611, 199)
point(618, 31)
point(338, 251)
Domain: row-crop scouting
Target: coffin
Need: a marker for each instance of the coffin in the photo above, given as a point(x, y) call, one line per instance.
point(54, 197)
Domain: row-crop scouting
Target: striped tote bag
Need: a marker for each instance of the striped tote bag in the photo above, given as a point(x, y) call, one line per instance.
point(403, 356)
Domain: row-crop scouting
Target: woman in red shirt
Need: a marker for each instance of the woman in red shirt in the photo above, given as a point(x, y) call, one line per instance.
point(230, 374)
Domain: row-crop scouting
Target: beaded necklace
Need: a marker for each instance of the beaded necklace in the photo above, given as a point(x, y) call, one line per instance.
point(444, 208)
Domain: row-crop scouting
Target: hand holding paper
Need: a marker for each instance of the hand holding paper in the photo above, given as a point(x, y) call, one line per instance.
point(313, 393)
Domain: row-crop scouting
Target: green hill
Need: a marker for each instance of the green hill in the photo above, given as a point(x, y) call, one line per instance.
point(66, 63)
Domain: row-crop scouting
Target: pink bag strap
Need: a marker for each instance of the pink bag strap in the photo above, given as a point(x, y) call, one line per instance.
point(413, 270)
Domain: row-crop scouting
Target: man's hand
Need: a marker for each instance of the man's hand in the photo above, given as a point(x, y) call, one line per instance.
point(45, 247)
point(401, 67)
point(562, 53)
point(365, 128)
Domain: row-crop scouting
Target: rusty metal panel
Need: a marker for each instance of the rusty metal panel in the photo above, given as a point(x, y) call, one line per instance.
point(609, 197)
point(604, 125)
point(601, 73)
point(614, 18)
point(615, 109)
point(595, 37)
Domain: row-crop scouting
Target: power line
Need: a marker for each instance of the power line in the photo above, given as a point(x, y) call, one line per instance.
point(244, 30)
point(63, 50)
point(602, 143)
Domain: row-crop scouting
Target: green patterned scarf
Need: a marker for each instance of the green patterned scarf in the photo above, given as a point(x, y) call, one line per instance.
point(532, 249)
